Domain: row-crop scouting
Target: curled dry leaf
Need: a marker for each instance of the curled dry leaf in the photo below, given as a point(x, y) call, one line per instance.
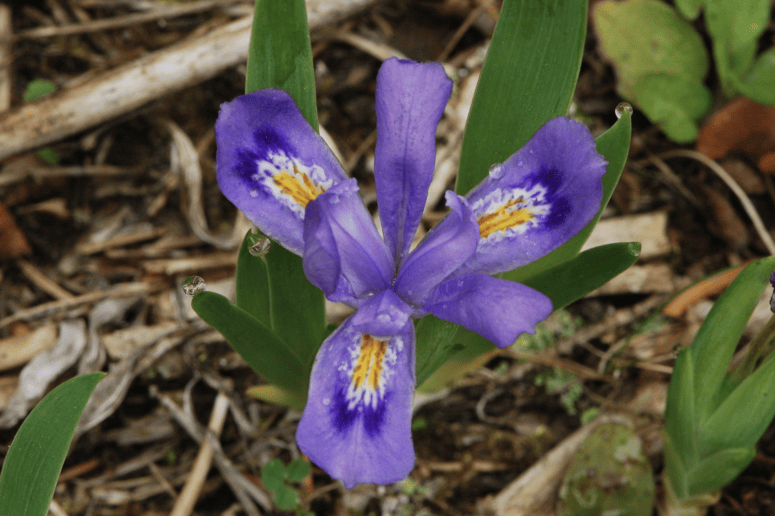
point(44, 369)
point(13, 243)
point(743, 126)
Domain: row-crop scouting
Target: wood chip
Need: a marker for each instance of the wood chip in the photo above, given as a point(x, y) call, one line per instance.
point(650, 229)
point(20, 349)
point(652, 278)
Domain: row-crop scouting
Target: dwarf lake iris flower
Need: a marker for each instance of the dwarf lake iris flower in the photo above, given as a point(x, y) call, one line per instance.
point(276, 169)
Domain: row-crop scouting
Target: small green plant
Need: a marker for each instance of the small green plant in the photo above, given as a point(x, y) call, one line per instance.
point(36, 89)
point(279, 478)
point(661, 60)
point(714, 417)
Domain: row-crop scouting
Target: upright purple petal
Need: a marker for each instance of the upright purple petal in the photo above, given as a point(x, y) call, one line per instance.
point(538, 199)
point(410, 101)
point(270, 163)
point(499, 310)
point(344, 255)
point(357, 422)
point(446, 247)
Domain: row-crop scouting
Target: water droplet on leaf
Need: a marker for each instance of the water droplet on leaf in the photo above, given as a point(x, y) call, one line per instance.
point(496, 171)
point(261, 247)
point(193, 284)
point(621, 108)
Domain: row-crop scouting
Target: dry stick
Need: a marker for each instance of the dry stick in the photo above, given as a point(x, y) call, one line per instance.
point(188, 496)
point(135, 84)
point(5, 57)
point(170, 11)
point(470, 19)
point(42, 281)
point(120, 290)
point(732, 184)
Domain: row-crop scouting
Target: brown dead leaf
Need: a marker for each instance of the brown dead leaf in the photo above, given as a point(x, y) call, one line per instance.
point(743, 126)
point(727, 223)
point(13, 243)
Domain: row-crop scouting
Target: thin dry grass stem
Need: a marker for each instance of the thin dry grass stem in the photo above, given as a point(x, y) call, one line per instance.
point(184, 504)
point(117, 22)
point(368, 142)
point(120, 241)
point(673, 180)
point(699, 291)
point(455, 39)
point(50, 308)
point(379, 51)
point(159, 476)
point(42, 281)
point(748, 206)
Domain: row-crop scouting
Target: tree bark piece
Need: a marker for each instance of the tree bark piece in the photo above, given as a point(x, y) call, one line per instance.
point(133, 85)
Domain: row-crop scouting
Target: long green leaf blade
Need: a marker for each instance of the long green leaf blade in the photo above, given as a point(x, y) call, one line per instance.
point(38, 451)
point(719, 335)
point(280, 55)
point(252, 282)
point(263, 351)
point(529, 77)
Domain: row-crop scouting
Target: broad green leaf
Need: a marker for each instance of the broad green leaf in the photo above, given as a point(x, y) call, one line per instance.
point(35, 459)
point(273, 474)
point(285, 498)
point(673, 102)
point(280, 55)
point(574, 279)
point(759, 83)
point(529, 77)
point(744, 415)
point(719, 335)
point(252, 281)
point(38, 88)
point(718, 470)
point(263, 351)
point(645, 37)
point(298, 470)
point(298, 307)
point(689, 8)
point(614, 145)
point(735, 27)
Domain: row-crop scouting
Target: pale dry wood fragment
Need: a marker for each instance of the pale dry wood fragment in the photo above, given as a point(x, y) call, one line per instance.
point(6, 57)
point(650, 229)
point(652, 278)
point(20, 349)
point(150, 77)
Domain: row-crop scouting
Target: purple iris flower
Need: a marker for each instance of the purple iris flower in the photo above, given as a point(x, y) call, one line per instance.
point(275, 168)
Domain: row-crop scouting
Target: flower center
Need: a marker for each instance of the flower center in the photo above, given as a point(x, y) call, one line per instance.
point(503, 218)
point(369, 364)
point(301, 191)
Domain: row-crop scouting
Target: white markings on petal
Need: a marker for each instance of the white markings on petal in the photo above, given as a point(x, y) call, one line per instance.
point(368, 371)
point(290, 181)
point(506, 212)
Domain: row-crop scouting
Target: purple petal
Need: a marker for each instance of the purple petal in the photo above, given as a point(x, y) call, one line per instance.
point(357, 422)
point(384, 314)
point(499, 310)
point(271, 163)
point(538, 199)
point(446, 247)
point(344, 255)
point(410, 101)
